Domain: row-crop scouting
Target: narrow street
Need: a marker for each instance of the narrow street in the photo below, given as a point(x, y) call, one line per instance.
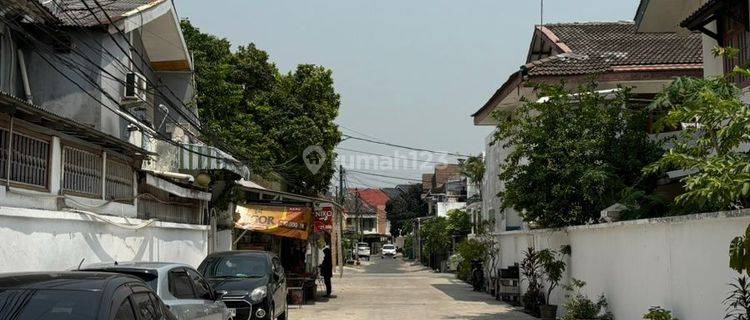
point(394, 289)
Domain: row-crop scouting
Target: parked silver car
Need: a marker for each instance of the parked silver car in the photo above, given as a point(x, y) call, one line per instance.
point(184, 291)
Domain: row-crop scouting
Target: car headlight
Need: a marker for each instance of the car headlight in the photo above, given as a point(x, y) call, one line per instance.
point(258, 294)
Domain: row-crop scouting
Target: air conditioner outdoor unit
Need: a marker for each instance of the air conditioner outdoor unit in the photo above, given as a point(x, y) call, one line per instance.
point(135, 86)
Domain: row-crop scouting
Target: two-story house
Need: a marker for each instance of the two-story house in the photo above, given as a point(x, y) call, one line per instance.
point(613, 53)
point(99, 136)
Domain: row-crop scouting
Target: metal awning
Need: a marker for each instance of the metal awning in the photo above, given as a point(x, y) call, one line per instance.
point(248, 185)
point(175, 189)
point(39, 116)
point(199, 157)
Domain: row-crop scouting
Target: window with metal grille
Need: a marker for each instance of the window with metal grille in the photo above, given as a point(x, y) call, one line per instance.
point(30, 162)
point(119, 181)
point(82, 172)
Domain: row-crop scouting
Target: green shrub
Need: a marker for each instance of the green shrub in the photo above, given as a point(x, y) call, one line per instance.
point(657, 313)
point(470, 250)
point(579, 306)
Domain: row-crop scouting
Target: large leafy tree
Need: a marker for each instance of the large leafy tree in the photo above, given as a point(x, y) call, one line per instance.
point(572, 154)
point(436, 236)
point(261, 116)
point(459, 223)
point(711, 147)
point(404, 208)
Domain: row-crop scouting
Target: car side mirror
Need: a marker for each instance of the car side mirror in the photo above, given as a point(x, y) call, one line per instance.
point(218, 294)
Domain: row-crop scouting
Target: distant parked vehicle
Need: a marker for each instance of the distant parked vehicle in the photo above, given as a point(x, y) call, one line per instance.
point(187, 294)
point(389, 250)
point(78, 296)
point(363, 250)
point(253, 282)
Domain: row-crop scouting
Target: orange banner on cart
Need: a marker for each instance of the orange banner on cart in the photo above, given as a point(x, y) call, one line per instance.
point(289, 222)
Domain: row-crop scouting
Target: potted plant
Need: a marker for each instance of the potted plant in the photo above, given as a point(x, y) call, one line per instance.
point(553, 268)
point(580, 307)
point(658, 313)
point(531, 270)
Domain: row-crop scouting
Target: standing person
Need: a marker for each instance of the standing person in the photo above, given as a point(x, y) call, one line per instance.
point(326, 270)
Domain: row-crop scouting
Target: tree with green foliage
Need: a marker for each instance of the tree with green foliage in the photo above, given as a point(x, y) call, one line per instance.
point(436, 238)
point(459, 223)
point(572, 154)
point(263, 117)
point(714, 123)
point(470, 250)
point(402, 210)
point(473, 169)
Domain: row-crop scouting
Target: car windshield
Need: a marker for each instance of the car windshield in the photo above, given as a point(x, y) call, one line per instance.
point(363, 246)
point(389, 247)
point(240, 266)
point(25, 304)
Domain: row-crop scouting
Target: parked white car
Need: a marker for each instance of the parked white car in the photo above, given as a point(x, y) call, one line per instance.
point(182, 288)
point(363, 250)
point(389, 250)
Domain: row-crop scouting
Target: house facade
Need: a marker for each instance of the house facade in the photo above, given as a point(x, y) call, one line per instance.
point(445, 189)
point(367, 207)
point(613, 53)
point(99, 131)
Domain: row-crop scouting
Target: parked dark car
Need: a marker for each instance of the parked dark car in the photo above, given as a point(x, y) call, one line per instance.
point(78, 296)
point(253, 283)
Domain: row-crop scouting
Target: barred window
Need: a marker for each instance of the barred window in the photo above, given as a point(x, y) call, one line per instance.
point(82, 172)
point(30, 162)
point(119, 181)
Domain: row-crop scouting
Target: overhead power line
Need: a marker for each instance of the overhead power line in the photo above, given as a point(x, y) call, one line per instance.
point(383, 175)
point(387, 156)
point(405, 147)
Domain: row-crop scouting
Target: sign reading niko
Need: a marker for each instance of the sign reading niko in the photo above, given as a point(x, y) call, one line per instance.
point(323, 217)
point(290, 222)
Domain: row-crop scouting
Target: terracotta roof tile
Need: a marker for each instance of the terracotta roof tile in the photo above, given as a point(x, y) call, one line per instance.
point(373, 197)
point(597, 47)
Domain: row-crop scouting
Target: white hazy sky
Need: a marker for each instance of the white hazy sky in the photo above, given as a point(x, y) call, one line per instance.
point(409, 72)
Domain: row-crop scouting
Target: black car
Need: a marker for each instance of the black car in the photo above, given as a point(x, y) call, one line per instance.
point(78, 296)
point(253, 283)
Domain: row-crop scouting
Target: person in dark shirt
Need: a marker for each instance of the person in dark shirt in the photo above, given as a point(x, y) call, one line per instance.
point(326, 270)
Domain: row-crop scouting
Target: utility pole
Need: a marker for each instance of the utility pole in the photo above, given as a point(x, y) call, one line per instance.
point(342, 199)
point(357, 209)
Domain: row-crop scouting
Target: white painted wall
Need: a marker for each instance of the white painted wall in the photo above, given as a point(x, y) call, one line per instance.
point(679, 263)
point(38, 240)
point(224, 240)
point(495, 155)
point(712, 65)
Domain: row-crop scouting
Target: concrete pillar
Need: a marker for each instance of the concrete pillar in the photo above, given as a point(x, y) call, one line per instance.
point(55, 166)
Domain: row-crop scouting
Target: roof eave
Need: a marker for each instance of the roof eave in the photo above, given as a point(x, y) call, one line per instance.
point(698, 19)
point(485, 111)
point(640, 13)
point(72, 127)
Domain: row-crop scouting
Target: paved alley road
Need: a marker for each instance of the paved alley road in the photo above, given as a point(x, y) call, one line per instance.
point(391, 289)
